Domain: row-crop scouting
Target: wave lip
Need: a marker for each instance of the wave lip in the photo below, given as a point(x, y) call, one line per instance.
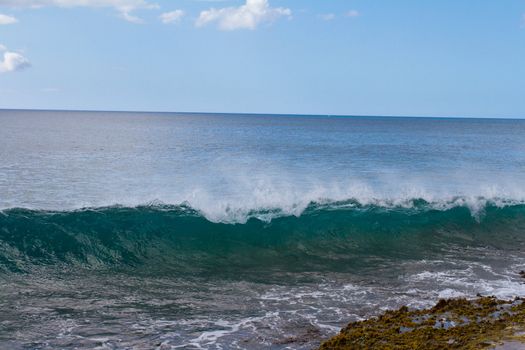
point(239, 212)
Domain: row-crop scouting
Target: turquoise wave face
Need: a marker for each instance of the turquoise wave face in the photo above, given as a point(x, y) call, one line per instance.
point(176, 239)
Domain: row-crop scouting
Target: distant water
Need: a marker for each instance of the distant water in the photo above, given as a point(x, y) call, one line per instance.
point(212, 231)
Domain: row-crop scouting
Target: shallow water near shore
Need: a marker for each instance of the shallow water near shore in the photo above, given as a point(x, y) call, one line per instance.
point(137, 230)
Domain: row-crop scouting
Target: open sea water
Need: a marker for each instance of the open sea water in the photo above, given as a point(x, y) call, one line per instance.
point(216, 231)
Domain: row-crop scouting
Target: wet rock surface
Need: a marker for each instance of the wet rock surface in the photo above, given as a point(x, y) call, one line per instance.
point(485, 322)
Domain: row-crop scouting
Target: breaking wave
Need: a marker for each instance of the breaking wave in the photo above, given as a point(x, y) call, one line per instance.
point(323, 236)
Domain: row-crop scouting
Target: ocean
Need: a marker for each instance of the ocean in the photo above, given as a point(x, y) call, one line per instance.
point(218, 231)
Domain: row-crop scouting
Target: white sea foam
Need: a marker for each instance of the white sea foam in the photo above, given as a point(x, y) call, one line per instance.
point(236, 195)
point(465, 283)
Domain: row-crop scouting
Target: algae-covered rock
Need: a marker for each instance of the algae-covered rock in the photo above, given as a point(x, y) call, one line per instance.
point(485, 322)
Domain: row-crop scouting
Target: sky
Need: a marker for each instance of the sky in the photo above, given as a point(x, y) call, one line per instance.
point(345, 57)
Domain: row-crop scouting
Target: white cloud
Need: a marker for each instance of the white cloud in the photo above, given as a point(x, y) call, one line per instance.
point(5, 19)
point(130, 18)
point(353, 13)
point(327, 17)
point(12, 61)
point(171, 17)
point(247, 16)
point(124, 7)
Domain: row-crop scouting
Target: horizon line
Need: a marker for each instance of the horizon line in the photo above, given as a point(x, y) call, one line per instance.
point(258, 114)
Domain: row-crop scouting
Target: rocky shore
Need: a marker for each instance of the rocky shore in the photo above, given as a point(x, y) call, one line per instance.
point(484, 322)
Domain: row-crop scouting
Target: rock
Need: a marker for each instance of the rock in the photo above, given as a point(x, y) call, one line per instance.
point(450, 324)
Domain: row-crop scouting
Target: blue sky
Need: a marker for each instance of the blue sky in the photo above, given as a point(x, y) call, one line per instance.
point(349, 57)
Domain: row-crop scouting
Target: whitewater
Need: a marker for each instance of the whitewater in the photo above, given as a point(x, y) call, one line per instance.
point(218, 231)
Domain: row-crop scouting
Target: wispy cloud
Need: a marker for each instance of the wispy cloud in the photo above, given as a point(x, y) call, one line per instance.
point(172, 16)
point(127, 16)
point(327, 16)
point(353, 13)
point(5, 19)
point(124, 7)
point(12, 61)
point(247, 16)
